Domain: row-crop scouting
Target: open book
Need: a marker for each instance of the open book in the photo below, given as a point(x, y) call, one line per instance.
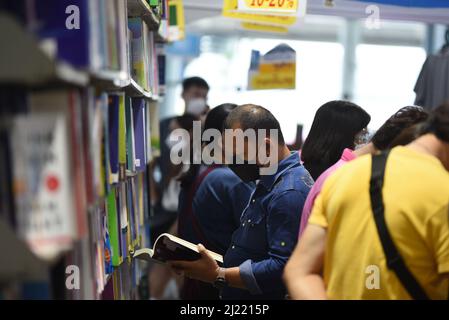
point(170, 248)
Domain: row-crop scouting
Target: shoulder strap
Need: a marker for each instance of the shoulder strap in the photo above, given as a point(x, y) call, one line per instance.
point(189, 210)
point(394, 260)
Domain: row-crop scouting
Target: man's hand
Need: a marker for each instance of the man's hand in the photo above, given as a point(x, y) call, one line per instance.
point(204, 269)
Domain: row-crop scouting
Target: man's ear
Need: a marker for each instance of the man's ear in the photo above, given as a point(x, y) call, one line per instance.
point(264, 151)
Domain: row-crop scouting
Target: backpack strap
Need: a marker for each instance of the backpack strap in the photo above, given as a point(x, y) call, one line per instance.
point(395, 262)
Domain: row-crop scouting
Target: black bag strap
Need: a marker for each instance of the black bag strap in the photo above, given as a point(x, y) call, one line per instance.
point(394, 260)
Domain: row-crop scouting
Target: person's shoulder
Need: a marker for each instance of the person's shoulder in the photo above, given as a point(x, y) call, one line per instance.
point(222, 176)
point(297, 181)
point(349, 175)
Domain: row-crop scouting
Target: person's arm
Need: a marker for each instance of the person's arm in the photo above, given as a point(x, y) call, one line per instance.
point(206, 270)
point(282, 226)
point(303, 271)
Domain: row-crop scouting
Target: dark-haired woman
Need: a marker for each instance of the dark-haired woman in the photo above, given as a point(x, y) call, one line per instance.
point(338, 125)
point(211, 201)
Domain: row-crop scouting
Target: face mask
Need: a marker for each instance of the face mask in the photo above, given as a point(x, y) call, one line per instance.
point(246, 172)
point(196, 107)
point(362, 139)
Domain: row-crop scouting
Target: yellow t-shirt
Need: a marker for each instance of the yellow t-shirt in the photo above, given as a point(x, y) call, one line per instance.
point(416, 199)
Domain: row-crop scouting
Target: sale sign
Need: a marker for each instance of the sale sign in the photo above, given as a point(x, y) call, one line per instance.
point(274, 70)
point(231, 10)
point(273, 6)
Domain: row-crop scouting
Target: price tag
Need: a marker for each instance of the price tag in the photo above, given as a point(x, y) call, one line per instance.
point(271, 6)
point(230, 10)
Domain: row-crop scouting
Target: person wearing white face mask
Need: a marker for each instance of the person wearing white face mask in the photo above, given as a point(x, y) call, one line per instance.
point(194, 94)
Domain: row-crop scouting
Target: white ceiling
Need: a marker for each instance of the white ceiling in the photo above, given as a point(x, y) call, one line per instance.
point(321, 23)
point(200, 9)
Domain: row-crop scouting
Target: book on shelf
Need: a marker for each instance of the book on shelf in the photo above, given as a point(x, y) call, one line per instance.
point(41, 183)
point(125, 229)
point(161, 65)
point(168, 247)
point(113, 228)
point(114, 134)
point(122, 138)
point(68, 102)
point(136, 26)
point(87, 34)
point(139, 117)
point(130, 141)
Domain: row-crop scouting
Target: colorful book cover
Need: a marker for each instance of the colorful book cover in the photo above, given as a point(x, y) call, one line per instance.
point(113, 115)
point(108, 267)
point(130, 163)
point(114, 228)
point(124, 228)
point(68, 103)
point(42, 183)
point(122, 138)
point(138, 106)
point(136, 26)
point(66, 23)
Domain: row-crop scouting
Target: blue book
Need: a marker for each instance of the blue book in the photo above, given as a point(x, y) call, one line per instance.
point(113, 115)
point(51, 20)
point(138, 105)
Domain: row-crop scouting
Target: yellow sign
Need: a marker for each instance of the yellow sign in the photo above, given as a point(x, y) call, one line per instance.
point(275, 70)
point(230, 10)
point(176, 28)
point(264, 27)
point(276, 6)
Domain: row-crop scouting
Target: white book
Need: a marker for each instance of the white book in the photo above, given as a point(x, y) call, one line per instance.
point(168, 247)
point(41, 176)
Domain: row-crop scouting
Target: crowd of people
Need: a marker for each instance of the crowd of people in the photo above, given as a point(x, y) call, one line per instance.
point(349, 216)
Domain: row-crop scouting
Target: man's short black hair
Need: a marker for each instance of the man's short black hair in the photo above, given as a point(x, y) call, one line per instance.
point(401, 120)
point(255, 117)
point(194, 82)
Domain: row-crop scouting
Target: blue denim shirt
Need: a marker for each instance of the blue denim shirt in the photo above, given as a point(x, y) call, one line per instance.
point(268, 232)
point(218, 205)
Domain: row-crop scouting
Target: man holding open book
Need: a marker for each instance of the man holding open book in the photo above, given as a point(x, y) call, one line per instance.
point(268, 232)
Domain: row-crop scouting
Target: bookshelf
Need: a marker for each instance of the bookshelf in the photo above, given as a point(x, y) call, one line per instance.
point(23, 62)
point(140, 8)
point(78, 112)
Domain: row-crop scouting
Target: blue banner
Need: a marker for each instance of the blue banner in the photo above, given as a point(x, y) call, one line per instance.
point(413, 3)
